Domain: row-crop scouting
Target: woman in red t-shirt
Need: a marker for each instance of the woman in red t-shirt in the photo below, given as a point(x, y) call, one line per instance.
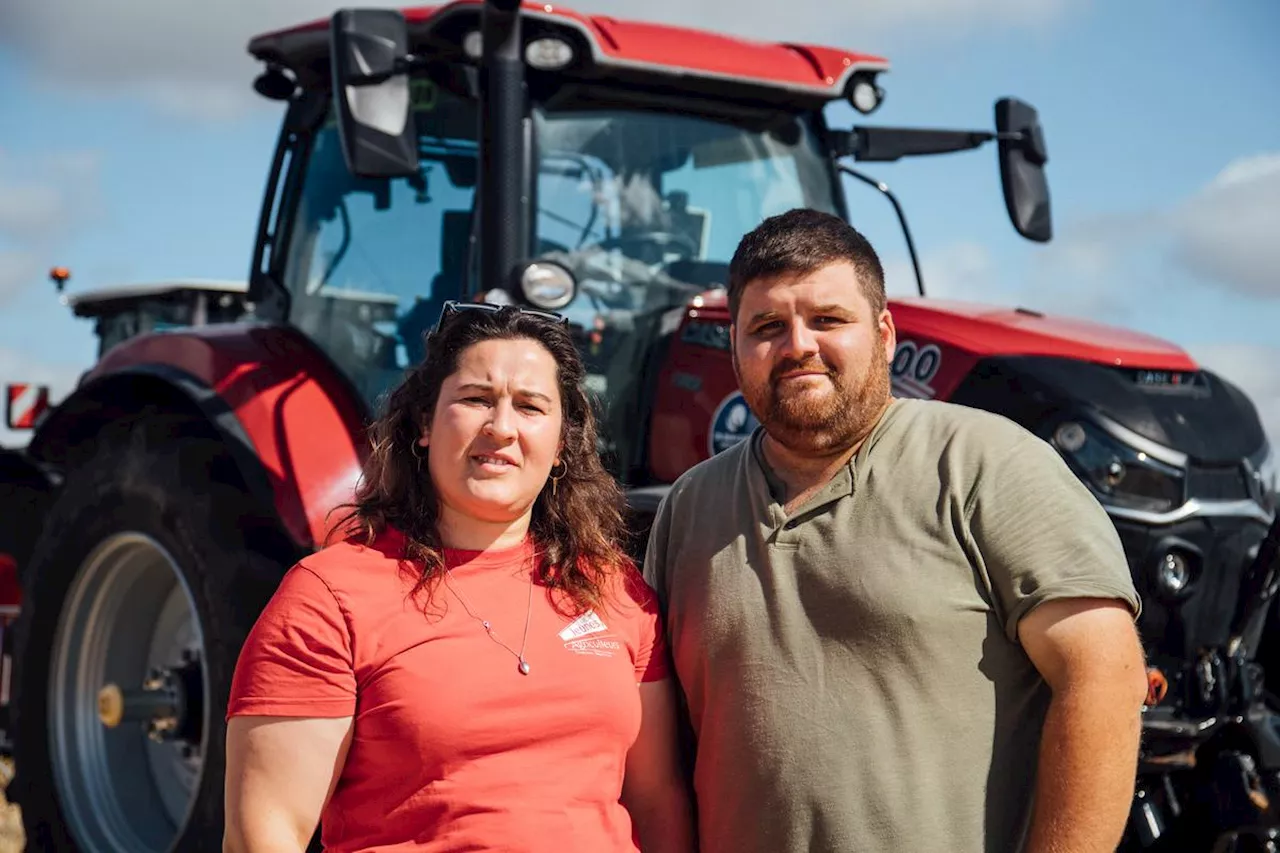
point(476, 664)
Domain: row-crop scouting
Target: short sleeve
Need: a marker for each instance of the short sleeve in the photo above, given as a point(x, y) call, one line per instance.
point(1040, 535)
point(651, 652)
point(297, 659)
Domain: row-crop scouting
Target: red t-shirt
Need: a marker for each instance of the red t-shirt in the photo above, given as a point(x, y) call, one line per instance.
point(454, 748)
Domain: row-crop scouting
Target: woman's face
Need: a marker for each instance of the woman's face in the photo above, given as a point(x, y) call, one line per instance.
point(495, 434)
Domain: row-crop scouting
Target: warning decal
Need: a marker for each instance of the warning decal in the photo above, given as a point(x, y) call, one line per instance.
point(24, 404)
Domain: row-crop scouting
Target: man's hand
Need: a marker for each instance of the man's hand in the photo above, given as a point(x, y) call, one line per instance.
point(1089, 653)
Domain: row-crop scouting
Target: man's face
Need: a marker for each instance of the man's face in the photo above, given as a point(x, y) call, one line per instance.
point(812, 360)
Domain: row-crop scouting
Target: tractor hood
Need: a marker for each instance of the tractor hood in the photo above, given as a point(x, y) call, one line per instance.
point(1030, 366)
point(1143, 383)
point(1033, 367)
point(986, 330)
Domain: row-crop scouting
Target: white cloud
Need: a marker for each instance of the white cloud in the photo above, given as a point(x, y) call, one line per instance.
point(1223, 236)
point(174, 54)
point(962, 270)
point(43, 200)
point(45, 194)
point(1074, 276)
point(27, 208)
point(1092, 269)
point(18, 268)
point(177, 54)
point(1256, 369)
point(1229, 232)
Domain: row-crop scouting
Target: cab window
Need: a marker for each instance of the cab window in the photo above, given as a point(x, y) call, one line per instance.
point(371, 261)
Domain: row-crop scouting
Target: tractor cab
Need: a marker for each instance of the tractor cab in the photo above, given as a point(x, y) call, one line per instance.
point(642, 208)
point(604, 169)
point(121, 313)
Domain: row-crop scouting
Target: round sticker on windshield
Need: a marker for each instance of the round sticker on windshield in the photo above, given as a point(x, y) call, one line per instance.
point(731, 423)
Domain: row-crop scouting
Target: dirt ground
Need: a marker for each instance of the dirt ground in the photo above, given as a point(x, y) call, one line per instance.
point(11, 838)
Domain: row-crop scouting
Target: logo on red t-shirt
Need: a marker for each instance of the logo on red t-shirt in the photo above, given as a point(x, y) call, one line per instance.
point(587, 635)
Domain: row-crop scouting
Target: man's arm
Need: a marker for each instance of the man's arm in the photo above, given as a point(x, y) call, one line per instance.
point(1089, 653)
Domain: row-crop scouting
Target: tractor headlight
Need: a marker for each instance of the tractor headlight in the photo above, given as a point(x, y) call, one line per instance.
point(548, 53)
point(546, 284)
point(1265, 485)
point(1173, 574)
point(1120, 475)
point(1174, 569)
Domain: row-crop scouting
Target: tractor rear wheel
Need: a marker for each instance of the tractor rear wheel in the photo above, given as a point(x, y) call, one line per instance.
point(152, 567)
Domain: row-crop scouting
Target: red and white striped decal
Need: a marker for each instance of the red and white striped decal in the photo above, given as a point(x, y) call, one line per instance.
point(24, 404)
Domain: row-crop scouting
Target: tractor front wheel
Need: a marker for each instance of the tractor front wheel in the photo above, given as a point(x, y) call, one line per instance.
point(145, 581)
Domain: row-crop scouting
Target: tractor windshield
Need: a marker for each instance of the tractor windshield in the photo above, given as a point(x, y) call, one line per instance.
point(647, 208)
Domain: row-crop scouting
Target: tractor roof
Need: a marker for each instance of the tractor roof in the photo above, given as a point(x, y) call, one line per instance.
point(616, 47)
point(103, 300)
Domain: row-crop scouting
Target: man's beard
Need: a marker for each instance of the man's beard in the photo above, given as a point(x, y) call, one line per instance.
point(818, 426)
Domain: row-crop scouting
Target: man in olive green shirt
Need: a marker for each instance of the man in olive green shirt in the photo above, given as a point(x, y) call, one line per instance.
point(898, 625)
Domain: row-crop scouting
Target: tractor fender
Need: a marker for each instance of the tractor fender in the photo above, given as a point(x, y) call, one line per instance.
point(289, 420)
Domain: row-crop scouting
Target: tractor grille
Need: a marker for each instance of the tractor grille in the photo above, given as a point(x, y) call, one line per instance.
point(1217, 484)
point(1203, 618)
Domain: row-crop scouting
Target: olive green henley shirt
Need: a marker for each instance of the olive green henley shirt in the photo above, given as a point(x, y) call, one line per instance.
point(852, 672)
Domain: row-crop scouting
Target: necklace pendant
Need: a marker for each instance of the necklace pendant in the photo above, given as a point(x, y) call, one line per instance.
point(524, 668)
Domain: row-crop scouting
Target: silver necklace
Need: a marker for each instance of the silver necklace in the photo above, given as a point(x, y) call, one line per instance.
point(488, 628)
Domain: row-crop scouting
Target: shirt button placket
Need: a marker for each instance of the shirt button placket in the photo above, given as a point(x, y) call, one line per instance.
point(787, 533)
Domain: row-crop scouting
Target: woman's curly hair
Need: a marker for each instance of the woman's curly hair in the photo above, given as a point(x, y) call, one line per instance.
point(578, 527)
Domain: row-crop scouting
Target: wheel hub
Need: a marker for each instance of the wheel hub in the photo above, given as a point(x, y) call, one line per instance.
point(168, 704)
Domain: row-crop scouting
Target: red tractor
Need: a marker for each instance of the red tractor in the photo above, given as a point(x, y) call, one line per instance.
point(605, 169)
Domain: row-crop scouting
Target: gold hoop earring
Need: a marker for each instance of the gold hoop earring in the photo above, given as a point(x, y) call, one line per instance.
point(556, 478)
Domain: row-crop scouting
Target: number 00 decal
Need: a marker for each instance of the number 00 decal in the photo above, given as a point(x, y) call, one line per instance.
point(914, 367)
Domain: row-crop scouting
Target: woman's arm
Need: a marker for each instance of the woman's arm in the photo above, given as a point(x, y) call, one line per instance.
point(654, 790)
point(280, 773)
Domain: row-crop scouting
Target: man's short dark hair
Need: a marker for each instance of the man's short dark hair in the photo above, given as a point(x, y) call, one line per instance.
point(801, 241)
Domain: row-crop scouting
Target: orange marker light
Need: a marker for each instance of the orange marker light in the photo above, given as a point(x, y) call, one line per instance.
point(1157, 686)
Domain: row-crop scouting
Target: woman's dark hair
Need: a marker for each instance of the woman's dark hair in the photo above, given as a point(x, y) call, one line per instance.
point(578, 526)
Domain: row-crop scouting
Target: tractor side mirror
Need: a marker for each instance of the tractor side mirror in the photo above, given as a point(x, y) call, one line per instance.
point(369, 53)
point(1022, 159)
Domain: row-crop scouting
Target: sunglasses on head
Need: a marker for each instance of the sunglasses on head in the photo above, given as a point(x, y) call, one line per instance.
point(453, 306)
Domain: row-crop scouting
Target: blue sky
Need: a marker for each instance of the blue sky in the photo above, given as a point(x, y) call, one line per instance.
point(132, 148)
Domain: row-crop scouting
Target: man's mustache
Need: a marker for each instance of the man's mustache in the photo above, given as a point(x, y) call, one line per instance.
point(810, 364)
